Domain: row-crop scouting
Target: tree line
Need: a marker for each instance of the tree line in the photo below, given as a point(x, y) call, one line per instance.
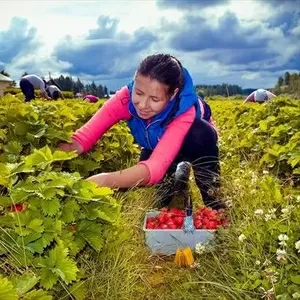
point(76, 86)
point(289, 83)
point(219, 89)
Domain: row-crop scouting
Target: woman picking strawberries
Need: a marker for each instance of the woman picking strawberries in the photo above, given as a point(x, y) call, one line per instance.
point(163, 113)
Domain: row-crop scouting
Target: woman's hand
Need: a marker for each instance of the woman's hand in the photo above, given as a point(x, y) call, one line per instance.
point(137, 175)
point(99, 179)
point(69, 147)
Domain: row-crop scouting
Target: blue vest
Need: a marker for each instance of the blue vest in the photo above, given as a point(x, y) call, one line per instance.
point(147, 135)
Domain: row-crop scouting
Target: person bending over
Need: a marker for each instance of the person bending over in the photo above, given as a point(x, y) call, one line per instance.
point(30, 82)
point(54, 92)
point(162, 110)
point(259, 96)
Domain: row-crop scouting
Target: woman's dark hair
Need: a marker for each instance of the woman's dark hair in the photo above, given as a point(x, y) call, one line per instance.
point(164, 68)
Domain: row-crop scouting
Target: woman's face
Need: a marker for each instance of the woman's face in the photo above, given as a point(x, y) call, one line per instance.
point(149, 96)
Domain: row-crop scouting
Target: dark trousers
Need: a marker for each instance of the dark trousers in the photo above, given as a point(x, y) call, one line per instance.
point(201, 150)
point(55, 95)
point(27, 89)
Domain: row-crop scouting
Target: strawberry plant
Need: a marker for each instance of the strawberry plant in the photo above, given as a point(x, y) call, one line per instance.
point(50, 215)
point(48, 218)
point(267, 134)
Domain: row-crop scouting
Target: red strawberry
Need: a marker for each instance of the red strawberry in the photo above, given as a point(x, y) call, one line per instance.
point(17, 207)
point(212, 225)
point(167, 217)
point(178, 221)
point(198, 224)
point(177, 212)
point(150, 225)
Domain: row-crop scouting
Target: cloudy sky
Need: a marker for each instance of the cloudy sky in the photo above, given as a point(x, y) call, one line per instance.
point(244, 42)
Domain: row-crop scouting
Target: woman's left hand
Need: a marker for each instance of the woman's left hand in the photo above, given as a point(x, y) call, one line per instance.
point(99, 179)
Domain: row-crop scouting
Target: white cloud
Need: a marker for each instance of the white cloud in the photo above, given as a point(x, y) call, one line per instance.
point(55, 20)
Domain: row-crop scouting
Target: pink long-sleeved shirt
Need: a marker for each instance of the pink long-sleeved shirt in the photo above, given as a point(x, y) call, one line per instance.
point(116, 109)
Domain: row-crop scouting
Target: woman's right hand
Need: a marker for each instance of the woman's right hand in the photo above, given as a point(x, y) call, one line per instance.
point(68, 147)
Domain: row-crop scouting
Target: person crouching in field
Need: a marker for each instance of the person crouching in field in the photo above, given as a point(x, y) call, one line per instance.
point(259, 96)
point(162, 110)
point(90, 98)
point(54, 92)
point(30, 82)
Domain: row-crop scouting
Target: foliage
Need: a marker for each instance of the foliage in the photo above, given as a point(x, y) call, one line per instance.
point(49, 214)
point(18, 92)
point(260, 153)
point(289, 84)
point(267, 134)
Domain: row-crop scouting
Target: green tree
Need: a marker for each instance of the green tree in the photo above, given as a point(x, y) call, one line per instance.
point(280, 81)
point(287, 78)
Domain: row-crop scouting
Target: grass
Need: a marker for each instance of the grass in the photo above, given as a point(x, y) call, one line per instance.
point(234, 269)
point(126, 269)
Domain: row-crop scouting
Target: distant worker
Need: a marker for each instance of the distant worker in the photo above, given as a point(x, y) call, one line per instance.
point(259, 96)
point(54, 92)
point(30, 82)
point(91, 98)
point(206, 113)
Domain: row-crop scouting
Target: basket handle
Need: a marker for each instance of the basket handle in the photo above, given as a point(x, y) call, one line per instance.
point(182, 175)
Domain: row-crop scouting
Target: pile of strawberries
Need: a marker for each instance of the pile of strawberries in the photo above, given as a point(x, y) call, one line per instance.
point(204, 218)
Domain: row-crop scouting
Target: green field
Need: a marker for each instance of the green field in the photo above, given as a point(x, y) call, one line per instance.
point(72, 240)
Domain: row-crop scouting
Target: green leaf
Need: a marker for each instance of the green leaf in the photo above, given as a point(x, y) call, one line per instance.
point(59, 265)
point(37, 295)
point(98, 155)
point(69, 209)
point(24, 283)
point(7, 220)
point(18, 195)
point(13, 147)
point(50, 207)
point(36, 247)
point(295, 279)
point(78, 244)
point(102, 211)
point(39, 158)
point(48, 278)
point(66, 269)
point(61, 155)
point(21, 128)
point(7, 291)
point(36, 225)
point(47, 238)
point(263, 125)
point(5, 201)
point(21, 168)
point(49, 193)
point(90, 231)
point(4, 173)
point(22, 231)
point(31, 237)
